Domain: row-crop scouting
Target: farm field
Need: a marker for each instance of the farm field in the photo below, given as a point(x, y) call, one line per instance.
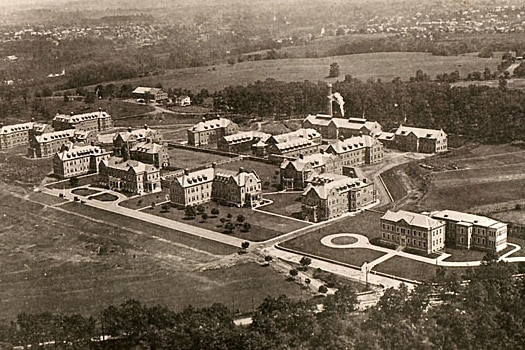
point(263, 226)
point(384, 65)
point(464, 179)
point(516, 216)
point(51, 262)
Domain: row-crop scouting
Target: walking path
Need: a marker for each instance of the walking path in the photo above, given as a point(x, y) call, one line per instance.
point(363, 243)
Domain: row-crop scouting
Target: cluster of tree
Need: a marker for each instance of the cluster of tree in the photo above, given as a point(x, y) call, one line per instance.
point(481, 310)
point(479, 112)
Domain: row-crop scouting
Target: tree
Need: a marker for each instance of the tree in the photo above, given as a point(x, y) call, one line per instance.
point(189, 212)
point(166, 207)
point(246, 226)
point(342, 303)
point(204, 216)
point(153, 205)
point(268, 258)
point(215, 212)
point(307, 281)
point(200, 209)
point(245, 245)
point(334, 70)
point(229, 227)
point(240, 218)
point(229, 216)
point(294, 273)
point(305, 262)
point(323, 289)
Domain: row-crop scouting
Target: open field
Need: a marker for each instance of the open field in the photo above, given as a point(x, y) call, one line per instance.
point(16, 169)
point(288, 204)
point(412, 269)
point(465, 178)
point(268, 173)
point(263, 226)
point(53, 262)
point(131, 224)
point(516, 216)
point(384, 65)
point(520, 242)
point(183, 158)
point(464, 254)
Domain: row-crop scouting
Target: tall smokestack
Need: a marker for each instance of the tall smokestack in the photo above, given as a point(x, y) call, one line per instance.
point(330, 100)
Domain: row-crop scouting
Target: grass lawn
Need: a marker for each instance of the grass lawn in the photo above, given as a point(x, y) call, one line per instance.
point(149, 229)
point(16, 169)
point(84, 192)
point(394, 184)
point(189, 159)
point(263, 226)
point(268, 173)
point(45, 198)
point(105, 197)
point(520, 242)
point(464, 255)
point(139, 202)
point(81, 181)
point(412, 269)
point(288, 204)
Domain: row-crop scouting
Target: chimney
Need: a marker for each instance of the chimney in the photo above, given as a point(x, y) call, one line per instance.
point(1, 125)
point(92, 143)
point(214, 165)
point(301, 156)
point(186, 172)
point(342, 138)
point(218, 116)
point(99, 109)
point(33, 120)
point(241, 170)
point(72, 113)
point(321, 151)
point(204, 119)
point(330, 101)
point(364, 180)
point(130, 129)
point(145, 126)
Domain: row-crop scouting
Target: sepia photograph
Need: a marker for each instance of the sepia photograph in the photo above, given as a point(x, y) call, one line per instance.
point(262, 174)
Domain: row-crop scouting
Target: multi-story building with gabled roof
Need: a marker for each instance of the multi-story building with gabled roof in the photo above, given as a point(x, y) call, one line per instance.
point(471, 231)
point(413, 230)
point(15, 135)
point(126, 140)
point(334, 128)
point(357, 150)
point(129, 176)
point(241, 142)
point(239, 188)
point(47, 144)
point(92, 121)
point(149, 93)
point(150, 153)
point(328, 196)
point(192, 188)
point(72, 161)
point(420, 140)
point(295, 173)
point(208, 132)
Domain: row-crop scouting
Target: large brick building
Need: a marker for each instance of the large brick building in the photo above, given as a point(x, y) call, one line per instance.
point(208, 132)
point(420, 140)
point(124, 141)
point(149, 93)
point(150, 153)
point(293, 144)
point(329, 196)
point(15, 135)
point(413, 230)
point(241, 142)
point(471, 231)
point(73, 160)
point(129, 176)
point(239, 188)
point(47, 144)
point(192, 188)
point(295, 173)
point(335, 128)
point(357, 150)
point(92, 121)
